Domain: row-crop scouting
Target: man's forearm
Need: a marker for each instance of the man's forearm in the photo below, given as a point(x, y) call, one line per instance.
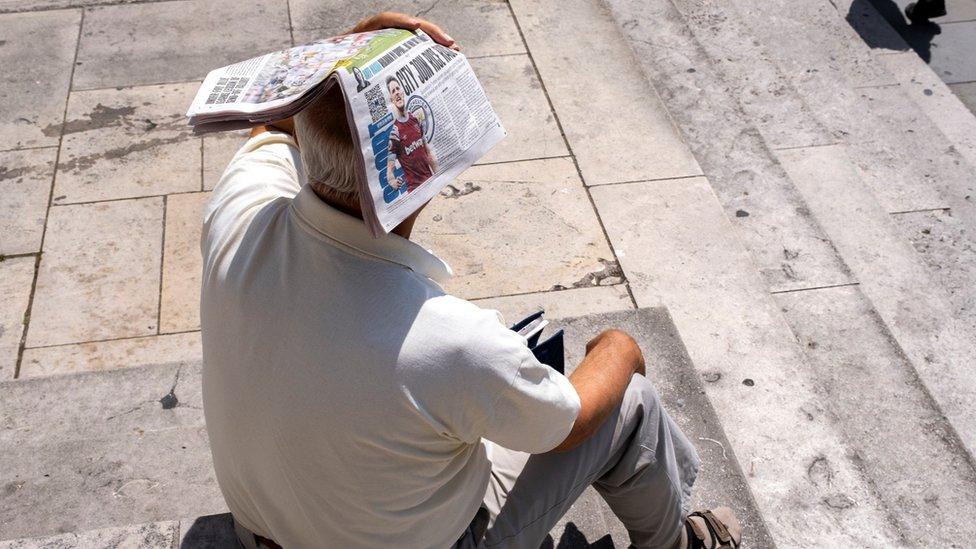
point(600, 381)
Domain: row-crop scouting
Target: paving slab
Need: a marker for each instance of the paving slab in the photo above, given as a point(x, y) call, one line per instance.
point(108, 355)
point(952, 52)
point(128, 143)
point(561, 303)
point(481, 27)
point(626, 135)
point(944, 242)
point(179, 306)
point(175, 41)
point(153, 535)
point(754, 373)
point(521, 104)
point(218, 150)
point(936, 100)
point(13, 6)
point(517, 227)
point(25, 186)
point(104, 449)
point(16, 278)
point(29, 118)
point(99, 276)
point(914, 307)
point(890, 421)
point(966, 93)
point(770, 217)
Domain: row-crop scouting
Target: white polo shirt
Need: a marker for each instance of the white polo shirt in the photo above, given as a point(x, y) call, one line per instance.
point(347, 397)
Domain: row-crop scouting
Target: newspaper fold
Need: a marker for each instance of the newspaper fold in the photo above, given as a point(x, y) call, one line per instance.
point(415, 108)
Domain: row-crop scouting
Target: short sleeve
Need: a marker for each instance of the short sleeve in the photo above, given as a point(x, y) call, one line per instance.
point(536, 412)
point(482, 381)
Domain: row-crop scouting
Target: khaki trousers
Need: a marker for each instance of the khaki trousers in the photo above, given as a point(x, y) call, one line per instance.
point(639, 462)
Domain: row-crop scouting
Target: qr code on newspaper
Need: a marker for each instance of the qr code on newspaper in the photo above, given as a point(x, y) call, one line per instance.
point(376, 103)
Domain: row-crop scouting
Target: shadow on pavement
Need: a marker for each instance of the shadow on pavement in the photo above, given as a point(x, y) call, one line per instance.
point(572, 538)
point(918, 35)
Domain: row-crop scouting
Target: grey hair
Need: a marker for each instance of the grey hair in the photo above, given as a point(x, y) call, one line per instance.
point(327, 148)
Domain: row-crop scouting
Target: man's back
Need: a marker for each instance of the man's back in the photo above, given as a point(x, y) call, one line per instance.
point(346, 396)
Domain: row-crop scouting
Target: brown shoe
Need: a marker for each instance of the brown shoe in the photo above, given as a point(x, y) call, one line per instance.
point(714, 529)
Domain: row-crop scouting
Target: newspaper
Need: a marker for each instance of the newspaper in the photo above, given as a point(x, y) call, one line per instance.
point(415, 107)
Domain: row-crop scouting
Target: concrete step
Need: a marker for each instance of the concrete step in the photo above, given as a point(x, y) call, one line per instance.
point(911, 139)
point(206, 532)
point(104, 449)
point(908, 165)
point(737, 107)
point(883, 350)
point(120, 457)
point(677, 247)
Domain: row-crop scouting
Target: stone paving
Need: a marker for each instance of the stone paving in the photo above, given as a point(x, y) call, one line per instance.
point(786, 195)
point(104, 183)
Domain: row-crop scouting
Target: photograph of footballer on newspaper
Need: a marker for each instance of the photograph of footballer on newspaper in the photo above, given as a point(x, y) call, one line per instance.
point(409, 146)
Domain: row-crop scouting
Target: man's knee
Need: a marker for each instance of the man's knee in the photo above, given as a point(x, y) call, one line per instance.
point(641, 393)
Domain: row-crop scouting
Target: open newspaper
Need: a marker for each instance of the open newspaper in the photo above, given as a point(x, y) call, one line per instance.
point(416, 109)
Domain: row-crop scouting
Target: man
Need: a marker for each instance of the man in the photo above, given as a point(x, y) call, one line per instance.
point(351, 403)
point(407, 143)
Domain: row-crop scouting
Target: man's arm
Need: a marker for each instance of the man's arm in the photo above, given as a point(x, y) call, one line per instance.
point(600, 380)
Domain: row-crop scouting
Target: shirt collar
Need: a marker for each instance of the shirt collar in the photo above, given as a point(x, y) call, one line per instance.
point(352, 232)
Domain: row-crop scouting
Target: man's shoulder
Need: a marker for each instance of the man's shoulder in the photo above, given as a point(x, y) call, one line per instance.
point(449, 308)
point(456, 325)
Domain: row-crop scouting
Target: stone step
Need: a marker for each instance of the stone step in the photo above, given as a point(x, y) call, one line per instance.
point(908, 164)
point(882, 349)
point(677, 247)
point(736, 107)
point(104, 449)
point(912, 141)
point(120, 457)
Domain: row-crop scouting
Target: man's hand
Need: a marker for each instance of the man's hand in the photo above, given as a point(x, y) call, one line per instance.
point(612, 358)
point(287, 125)
point(393, 20)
